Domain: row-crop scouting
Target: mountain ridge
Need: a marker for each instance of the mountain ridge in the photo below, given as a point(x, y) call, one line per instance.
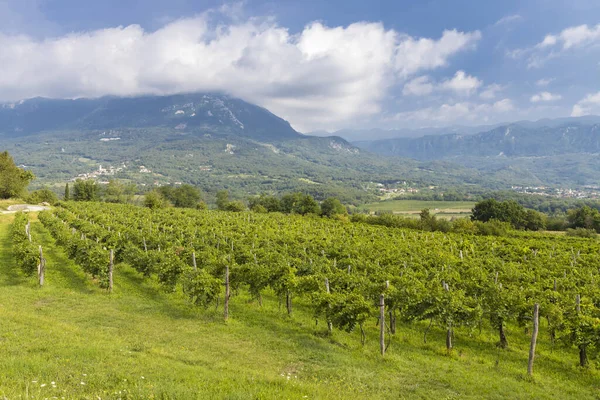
point(204, 111)
point(520, 139)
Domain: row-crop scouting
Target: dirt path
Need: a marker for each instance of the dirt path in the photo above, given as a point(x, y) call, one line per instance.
point(25, 208)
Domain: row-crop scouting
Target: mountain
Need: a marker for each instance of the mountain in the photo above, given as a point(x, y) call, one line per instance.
point(380, 134)
point(183, 112)
point(206, 139)
point(558, 152)
point(513, 140)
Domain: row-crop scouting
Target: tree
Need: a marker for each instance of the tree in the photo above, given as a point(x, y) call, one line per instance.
point(87, 190)
point(266, 202)
point(155, 199)
point(186, 196)
point(299, 203)
point(507, 211)
point(117, 192)
point(427, 220)
point(235, 206)
point(222, 199)
point(332, 206)
point(67, 195)
point(13, 180)
point(44, 195)
point(584, 217)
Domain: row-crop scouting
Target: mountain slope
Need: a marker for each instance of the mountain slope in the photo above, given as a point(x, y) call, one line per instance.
point(183, 112)
point(514, 140)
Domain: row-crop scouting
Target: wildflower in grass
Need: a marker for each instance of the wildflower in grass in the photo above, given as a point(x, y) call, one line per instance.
point(83, 383)
point(43, 385)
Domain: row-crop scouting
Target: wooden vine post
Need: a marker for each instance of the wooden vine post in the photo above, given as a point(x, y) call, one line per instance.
point(194, 260)
point(329, 324)
point(536, 317)
point(226, 312)
point(583, 360)
point(382, 321)
point(111, 267)
point(41, 267)
point(28, 230)
point(449, 328)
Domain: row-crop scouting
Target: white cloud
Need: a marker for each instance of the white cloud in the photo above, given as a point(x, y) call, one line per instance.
point(580, 36)
point(509, 19)
point(575, 36)
point(321, 77)
point(461, 112)
point(420, 86)
point(491, 91)
point(504, 105)
point(555, 45)
point(545, 97)
point(587, 106)
point(544, 82)
point(425, 54)
point(462, 83)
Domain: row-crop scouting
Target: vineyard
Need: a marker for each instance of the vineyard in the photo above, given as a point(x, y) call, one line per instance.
point(369, 287)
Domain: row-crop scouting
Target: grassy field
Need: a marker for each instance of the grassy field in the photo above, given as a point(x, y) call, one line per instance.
point(413, 207)
point(72, 340)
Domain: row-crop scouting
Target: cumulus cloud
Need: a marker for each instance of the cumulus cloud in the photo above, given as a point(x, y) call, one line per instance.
point(587, 106)
point(457, 112)
point(462, 83)
point(555, 45)
point(319, 78)
point(576, 36)
point(491, 91)
point(413, 54)
point(420, 86)
point(545, 97)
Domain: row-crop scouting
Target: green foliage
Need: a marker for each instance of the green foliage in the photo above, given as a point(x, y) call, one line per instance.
point(42, 196)
point(67, 195)
point(201, 287)
point(222, 199)
point(235, 206)
point(13, 180)
point(183, 196)
point(299, 203)
point(332, 206)
point(584, 217)
point(86, 190)
point(582, 232)
point(265, 202)
point(154, 199)
point(508, 211)
point(25, 252)
point(118, 192)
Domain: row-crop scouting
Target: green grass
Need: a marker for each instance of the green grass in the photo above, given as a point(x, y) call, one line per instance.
point(140, 342)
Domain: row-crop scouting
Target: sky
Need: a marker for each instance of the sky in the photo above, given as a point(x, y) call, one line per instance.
point(322, 65)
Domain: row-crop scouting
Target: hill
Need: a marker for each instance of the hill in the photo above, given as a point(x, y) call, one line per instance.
point(210, 140)
point(72, 339)
point(546, 152)
point(206, 111)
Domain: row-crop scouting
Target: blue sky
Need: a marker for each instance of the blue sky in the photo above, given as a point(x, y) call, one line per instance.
point(320, 64)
